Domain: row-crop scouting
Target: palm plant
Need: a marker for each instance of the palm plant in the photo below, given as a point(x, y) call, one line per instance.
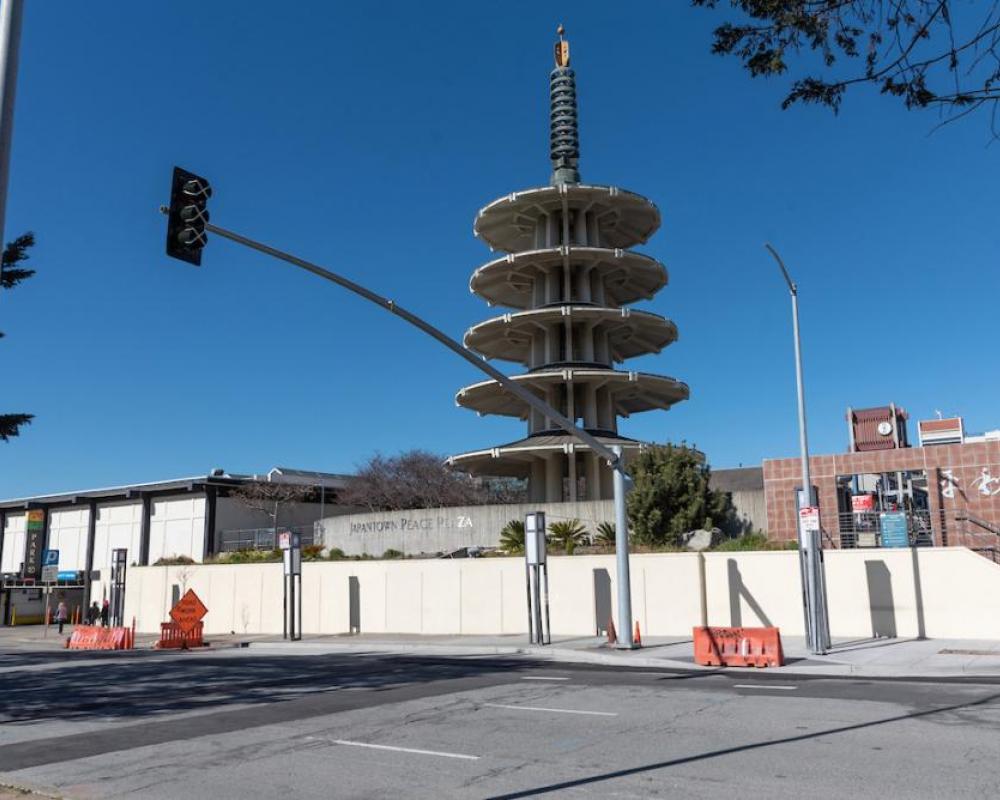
point(568, 534)
point(512, 537)
point(606, 534)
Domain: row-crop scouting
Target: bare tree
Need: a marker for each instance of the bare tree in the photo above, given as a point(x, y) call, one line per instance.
point(929, 53)
point(271, 498)
point(420, 479)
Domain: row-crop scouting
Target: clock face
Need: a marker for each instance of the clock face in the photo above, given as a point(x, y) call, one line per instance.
point(885, 428)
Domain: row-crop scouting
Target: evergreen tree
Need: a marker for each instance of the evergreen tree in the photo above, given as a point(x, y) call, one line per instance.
point(11, 275)
point(672, 495)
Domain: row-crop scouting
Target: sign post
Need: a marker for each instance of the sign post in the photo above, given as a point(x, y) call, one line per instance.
point(536, 572)
point(50, 575)
point(119, 559)
point(290, 545)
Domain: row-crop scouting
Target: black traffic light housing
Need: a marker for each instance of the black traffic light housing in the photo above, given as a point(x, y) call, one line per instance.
point(187, 216)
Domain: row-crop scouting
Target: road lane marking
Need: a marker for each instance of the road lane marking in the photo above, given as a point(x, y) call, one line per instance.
point(405, 750)
point(553, 710)
point(541, 678)
point(764, 686)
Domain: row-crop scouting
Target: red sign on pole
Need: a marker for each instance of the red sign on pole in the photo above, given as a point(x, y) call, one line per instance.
point(188, 612)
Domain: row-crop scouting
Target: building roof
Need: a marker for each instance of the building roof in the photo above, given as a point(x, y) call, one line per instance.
point(217, 477)
point(740, 479)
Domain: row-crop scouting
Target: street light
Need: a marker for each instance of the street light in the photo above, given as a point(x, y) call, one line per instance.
point(810, 542)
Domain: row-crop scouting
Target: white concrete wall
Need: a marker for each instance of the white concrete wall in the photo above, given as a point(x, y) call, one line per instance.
point(13, 543)
point(959, 594)
point(118, 525)
point(176, 527)
point(68, 535)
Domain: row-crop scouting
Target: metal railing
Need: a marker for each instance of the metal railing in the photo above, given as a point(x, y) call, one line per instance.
point(947, 528)
point(236, 539)
point(865, 529)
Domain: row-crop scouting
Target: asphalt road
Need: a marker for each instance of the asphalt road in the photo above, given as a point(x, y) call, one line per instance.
point(247, 723)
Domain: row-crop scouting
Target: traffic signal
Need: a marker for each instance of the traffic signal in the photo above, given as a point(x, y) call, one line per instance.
point(187, 216)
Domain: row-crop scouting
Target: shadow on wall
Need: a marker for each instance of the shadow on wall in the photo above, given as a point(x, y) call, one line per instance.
point(880, 600)
point(738, 591)
point(602, 601)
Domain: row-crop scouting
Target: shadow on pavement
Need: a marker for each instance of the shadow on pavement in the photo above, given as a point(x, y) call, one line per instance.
point(137, 687)
point(623, 773)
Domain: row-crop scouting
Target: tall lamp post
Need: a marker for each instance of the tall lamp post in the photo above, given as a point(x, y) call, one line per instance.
point(810, 541)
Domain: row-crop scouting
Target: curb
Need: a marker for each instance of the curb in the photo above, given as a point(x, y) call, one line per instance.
point(564, 655)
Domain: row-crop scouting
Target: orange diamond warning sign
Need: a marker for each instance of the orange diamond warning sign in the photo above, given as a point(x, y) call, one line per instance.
point(188, 611)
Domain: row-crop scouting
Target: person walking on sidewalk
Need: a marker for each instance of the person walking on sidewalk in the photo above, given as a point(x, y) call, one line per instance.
point(62, 614)
point(93, 613)
point(105, 613)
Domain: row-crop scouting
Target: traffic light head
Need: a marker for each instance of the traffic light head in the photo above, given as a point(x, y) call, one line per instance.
point(187, 216)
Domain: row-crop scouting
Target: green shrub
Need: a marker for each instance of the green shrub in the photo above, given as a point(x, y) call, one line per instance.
point(390, 553)
point(755, 540)
point(249, 557)
point(173, 561)
point(336, 554)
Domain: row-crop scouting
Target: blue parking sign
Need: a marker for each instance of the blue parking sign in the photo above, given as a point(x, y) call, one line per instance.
point(50, 558)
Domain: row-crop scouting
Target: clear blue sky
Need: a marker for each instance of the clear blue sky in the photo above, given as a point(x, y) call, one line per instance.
point(365, 136)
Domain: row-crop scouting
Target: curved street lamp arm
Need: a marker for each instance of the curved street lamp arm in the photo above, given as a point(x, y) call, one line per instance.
point(788, 278)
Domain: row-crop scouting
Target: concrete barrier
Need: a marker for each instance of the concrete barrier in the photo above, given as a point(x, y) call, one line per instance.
point(934, 592)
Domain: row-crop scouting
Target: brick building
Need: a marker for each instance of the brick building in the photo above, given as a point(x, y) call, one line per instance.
point(950, 493)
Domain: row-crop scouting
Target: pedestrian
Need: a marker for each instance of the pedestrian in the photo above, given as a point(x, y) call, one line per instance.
point(93, 613)
point(105, 612)
point(62, 614)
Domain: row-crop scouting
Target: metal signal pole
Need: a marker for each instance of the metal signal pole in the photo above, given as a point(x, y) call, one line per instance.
point(192, 240)
point(10, 44)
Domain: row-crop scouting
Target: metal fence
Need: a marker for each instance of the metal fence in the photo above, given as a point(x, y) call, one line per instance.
point(948, 528)
point(236, 539)
point(865, 529)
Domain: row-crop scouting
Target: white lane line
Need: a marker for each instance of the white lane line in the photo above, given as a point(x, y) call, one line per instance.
point(553, 710)
point(541, 678)
point(406, 750)
point(764, 686)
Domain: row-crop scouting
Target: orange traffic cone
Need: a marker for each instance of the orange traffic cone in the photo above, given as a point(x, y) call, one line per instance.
point(637, 639)
point(612, 633)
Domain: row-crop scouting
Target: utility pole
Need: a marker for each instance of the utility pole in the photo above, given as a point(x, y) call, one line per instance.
point(10, 44)
point(810, 541)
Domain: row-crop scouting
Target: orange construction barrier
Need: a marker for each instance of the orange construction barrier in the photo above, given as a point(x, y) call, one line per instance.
point(612, 633)
point(171, 635)
point(93, 637)
point(738, 647)
point(637, 639)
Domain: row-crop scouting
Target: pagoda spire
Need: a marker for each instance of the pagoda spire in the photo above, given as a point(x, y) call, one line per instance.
point(564, 138)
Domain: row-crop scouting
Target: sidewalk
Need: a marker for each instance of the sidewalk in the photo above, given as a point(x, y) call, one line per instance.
point(885, 658)
point(874, 658)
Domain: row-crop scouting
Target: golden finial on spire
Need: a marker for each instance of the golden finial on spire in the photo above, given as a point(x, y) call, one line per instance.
point(562, 49)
